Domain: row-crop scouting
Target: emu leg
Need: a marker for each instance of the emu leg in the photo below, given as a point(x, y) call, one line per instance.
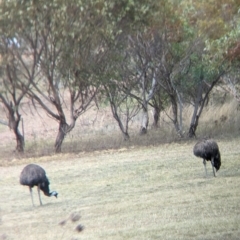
point(30, 189)
point(204, 163)
point(213, 168)
point(39, 194)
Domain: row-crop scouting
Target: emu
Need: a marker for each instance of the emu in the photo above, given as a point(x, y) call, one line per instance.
point(34, 175)
point(208, 150)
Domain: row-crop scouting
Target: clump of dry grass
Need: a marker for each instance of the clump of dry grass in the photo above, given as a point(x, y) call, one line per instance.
point(74, 217)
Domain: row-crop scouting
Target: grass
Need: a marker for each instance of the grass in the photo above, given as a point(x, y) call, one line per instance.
point(154, 192)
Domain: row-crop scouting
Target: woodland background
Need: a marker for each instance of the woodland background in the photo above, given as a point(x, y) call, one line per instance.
point(106, 74)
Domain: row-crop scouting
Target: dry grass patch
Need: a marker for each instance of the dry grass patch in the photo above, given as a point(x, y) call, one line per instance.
point(97, 130)
point(141, 193)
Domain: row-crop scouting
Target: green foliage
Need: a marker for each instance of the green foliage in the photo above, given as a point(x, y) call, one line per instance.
point(217, 22)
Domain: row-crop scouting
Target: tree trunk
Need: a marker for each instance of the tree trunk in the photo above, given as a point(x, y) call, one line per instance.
point(13, 124)
point(180, 103)
point(193, 127)
point(20, 141)
point(124, 131)
point(195, 116)
point(64, 128)
point(156, 116)
point(157, 108)
point(175, 116)
point(200, 103)
point(126, 136)
point(145, 119)
point(62, 131)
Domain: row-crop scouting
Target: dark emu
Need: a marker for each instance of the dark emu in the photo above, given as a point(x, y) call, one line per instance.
point(34, 175)
point(208, 150)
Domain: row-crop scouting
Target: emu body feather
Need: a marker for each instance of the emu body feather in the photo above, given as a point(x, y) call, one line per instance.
point(34, 175)
point(208, 150)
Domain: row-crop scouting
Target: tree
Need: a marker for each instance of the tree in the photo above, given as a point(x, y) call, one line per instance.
point(125, 75)
point(122, 106)
point(18, 69)
point(158, 103)
point(144, 47)
point(117, 81)
point(66, 84)
point(11, 97)
point(201, 95)
point(216, 26)
point(68, 59)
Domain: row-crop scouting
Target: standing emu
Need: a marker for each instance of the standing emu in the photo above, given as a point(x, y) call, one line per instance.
point(34, 175)
point(208, 150)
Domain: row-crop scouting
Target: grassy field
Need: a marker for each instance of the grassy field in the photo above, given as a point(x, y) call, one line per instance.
point(157, 192)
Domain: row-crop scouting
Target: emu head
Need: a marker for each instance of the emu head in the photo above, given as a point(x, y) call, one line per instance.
point(54, 193)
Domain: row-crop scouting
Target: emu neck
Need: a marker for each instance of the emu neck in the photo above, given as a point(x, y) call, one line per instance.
point(47, 194)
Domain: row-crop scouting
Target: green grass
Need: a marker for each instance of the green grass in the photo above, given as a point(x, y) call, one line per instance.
point(154, 192)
